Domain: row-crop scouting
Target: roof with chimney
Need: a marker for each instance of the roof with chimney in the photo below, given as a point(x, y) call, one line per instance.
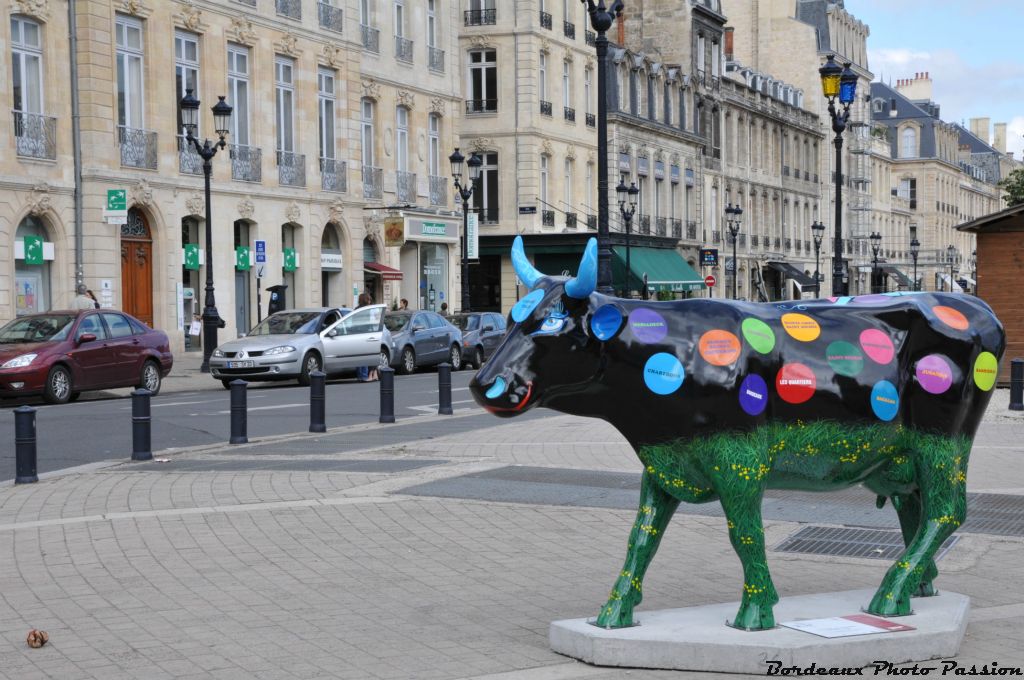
point(890, 108)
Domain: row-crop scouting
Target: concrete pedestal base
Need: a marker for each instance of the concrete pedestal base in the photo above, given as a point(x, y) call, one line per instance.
point(696, 638)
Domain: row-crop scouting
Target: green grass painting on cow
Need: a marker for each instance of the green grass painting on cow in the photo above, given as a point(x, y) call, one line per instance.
point(722, 400)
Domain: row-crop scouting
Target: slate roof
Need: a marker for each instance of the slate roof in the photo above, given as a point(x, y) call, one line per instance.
point(905, 110)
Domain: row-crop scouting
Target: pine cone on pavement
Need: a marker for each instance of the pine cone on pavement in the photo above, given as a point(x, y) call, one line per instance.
point(37, 638)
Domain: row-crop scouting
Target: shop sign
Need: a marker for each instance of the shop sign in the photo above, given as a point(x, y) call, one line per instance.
point(709, 257)
point(394, 232)
point(472, 236)
point(332, 261)
point(431, 230)
point(116, 209)
point(242, 258)
point(33, 250)
point(190, 256)
point(291, 260)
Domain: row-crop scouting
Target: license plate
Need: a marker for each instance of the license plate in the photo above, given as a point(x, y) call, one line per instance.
point(241, 364)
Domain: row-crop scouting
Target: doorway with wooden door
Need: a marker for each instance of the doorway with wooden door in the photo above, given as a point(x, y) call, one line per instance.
point(137, 267)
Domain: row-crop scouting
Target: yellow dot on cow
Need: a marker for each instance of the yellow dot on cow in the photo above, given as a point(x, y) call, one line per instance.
point(801, 327)
point(985, 369)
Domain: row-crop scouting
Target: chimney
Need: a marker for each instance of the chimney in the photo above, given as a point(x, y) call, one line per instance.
point(728, 43)
point(999, 140)
point(980, 127)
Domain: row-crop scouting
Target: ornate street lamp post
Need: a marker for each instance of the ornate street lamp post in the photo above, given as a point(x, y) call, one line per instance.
point(915, 248)
point(951, 253)
point(818, 233)
point(627, 196)
point(876, 244)
point(732, 219)
point(465, 193)
point(974, 269)
point(838, 82)
point(206, 150)
point(601, 19)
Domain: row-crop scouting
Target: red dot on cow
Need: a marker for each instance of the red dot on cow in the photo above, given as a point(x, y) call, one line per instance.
point(795, 383)
point(953, 318)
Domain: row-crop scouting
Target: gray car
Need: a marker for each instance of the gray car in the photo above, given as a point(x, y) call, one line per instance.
point(290, 345)
point(422, 339)
point(482, 332)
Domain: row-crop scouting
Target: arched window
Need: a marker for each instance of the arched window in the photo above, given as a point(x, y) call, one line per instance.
point(908, 143)
point(32, 267)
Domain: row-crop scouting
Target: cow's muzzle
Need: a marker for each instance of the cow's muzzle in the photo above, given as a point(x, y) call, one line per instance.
point(507, 395)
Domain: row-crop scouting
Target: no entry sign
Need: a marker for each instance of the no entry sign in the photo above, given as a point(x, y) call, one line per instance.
point(710, 280)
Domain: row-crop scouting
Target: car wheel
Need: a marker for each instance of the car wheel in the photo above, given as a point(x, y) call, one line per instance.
point(385, 358)
point(150, 378)
point(478, 357)
point(58, 386)
point(310, 363)
point(408, 364)
point(226, 383)
point(455, 357)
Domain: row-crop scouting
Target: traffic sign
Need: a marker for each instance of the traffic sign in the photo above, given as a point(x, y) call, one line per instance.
point(117, 199)
point(261, 252)
point(710, 280)
point(261, 271)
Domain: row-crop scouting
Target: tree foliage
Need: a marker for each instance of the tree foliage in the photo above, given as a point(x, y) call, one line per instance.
point(1013, 185)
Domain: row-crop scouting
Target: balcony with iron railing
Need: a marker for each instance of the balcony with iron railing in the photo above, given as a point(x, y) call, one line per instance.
point(676, 225)
point(333, 175)
point(438, 190)
point(138, 147)
point(570, 220)
point(405, 186)
point(643, 224)
point(291, 169)
point(753, 240)
point(246, 163)
point(488, 215)
point(481, 106)
point(591, 120)
point(189, 160)
point(716, 236)
point(330, 17)
point(545, 20)
point(591, 38)
point(787, 244)
point(569, 113)
point(403, 49)
point(742, 240)
point(778, 242)
point(435, 59)
point(35, 135)
point(371, 38)
point(373, 182)
point(569, 29)
point(289, 8)
point(691, 229)
point(592, 222)
point(545, 108)
point(660, 226)
point(547, 218)
point(480, 17)
point(807, 246)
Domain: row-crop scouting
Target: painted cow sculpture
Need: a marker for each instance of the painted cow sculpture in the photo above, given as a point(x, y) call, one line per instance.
point(722, 400)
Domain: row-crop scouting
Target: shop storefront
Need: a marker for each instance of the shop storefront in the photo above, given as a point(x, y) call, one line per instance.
point(428, 257)
point(33, 253)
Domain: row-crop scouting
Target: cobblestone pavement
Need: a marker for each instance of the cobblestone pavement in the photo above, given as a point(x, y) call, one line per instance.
point(296, 573)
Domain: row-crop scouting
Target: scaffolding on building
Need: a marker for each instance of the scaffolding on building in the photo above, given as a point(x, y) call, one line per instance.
point(859, 179)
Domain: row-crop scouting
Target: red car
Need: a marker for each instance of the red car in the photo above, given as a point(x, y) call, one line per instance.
point(62, 354)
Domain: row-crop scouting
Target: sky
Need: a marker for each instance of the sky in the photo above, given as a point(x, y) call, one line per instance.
point(970, 48)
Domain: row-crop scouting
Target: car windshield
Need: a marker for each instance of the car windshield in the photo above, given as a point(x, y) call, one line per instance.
point(41, 328)
point(397, 322)
point(466, 323)
point(288, 323)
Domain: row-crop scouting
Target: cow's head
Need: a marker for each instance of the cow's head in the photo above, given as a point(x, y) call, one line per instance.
point(544, 354)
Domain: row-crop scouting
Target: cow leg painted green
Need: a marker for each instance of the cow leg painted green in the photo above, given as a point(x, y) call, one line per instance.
point(746, 532)
point(908, 507)
point(655, 511)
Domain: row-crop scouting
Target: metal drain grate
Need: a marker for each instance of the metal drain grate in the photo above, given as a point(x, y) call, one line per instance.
point(845, 542)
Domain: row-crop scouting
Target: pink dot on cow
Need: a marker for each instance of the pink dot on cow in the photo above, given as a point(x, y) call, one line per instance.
point(877, 345)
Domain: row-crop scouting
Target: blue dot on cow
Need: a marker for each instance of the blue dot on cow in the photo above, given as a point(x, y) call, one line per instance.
point(522, 309)
point(753, 394)
point(885, 400)
point(606, 322)
point(663, 373)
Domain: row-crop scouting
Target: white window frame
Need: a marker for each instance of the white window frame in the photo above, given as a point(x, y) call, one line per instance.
point(238, 91)
point(434, 145)
point(23, 52)
point(588, 77)
point(130, 55)
point(481, 198)
point(542, 83)
point(401, 139)
point(544, 180)
point(186, 67)
point(567, 84)
point(432, 23)
point(326, 79)
point(284, 102)
point(482, 66)
point(400, 18)
point(367, 113)
point(590, 186)
point(567, 183)
point(364, 13)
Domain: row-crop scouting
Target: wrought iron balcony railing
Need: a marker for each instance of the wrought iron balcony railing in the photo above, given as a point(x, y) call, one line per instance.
point(676, 225)
point(405, 186)
point(189, 161)
point(591, 120)
point(547, 218)
point(742, 241)
point(716, 236)
point(246, 163)
point(643, 224)
point(289, 8)
point(570, 220)
point(138, 147)
point(403, 49)
point(569, 114)
point(330, 17)
point(481, 105)
point(569, 29)
point(333, 175)
point(591, 38)
point(788, 244)
point(371, 39)
point(435, 59)
point(438, 190)
point(480, 17)
point(545, 108)
point(545, 20)
point(373, 182)
point(753, 240)
point(592, 222)
point(35, 135)
point(488, 215)
point(660, 226)
point(778, 242)
point(291, 169)
point(691, 229)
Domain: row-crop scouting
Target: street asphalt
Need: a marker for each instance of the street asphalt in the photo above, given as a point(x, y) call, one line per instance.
point(440, 547)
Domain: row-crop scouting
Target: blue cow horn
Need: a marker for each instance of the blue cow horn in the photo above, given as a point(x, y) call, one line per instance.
point(582, 285)
point(526, 272)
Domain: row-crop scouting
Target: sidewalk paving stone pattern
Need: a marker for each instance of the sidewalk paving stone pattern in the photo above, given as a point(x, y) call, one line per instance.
point(317, 565)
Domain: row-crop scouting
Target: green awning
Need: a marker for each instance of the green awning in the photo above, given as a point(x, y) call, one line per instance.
point(666, 270)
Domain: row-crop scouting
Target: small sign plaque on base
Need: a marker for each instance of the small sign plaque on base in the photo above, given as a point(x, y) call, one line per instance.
point(846, 626)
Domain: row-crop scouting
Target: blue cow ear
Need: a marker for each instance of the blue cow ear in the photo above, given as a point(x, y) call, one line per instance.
point(524, 308)
point(606, 322)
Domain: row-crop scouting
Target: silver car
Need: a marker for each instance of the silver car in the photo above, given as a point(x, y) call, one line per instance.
point(290, 345)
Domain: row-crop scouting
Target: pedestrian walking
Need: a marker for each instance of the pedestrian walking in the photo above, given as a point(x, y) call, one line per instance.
point(82, 300)
point(403, 305)
point(93, 296)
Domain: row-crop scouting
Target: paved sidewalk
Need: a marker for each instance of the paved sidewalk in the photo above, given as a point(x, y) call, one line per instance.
point(272, 561)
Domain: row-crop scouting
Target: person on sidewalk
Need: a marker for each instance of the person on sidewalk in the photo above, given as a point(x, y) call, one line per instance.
point(403, 305)
point(82, 300)
point(444, 309)
point(366, 373)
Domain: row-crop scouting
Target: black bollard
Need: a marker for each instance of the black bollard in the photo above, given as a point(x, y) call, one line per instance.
point(25, 445)
point(387, 394)
point(318, 401)
point(444, 389)
point(142, 448)
point(239, 412)
point(1017, 385)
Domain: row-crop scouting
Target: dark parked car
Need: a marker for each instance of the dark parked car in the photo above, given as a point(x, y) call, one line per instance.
point(422, 339)
point(482, 332)
point(62, 354)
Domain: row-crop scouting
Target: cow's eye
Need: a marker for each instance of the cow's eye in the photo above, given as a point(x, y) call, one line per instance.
point(552, 324)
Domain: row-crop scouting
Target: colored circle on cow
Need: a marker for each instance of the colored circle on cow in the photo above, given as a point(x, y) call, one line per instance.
point(663, 373)
point(986, 367)
point(885, 400)
point(953, 318)
point(795, 383)
point(801, 327)
point(719, 348)
point(758, 335)
point(845, 358)
point(877, 345)
point(522, 309)
point(647, 325)
point(934, 374)
point(606, 322)
point(753, 394)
